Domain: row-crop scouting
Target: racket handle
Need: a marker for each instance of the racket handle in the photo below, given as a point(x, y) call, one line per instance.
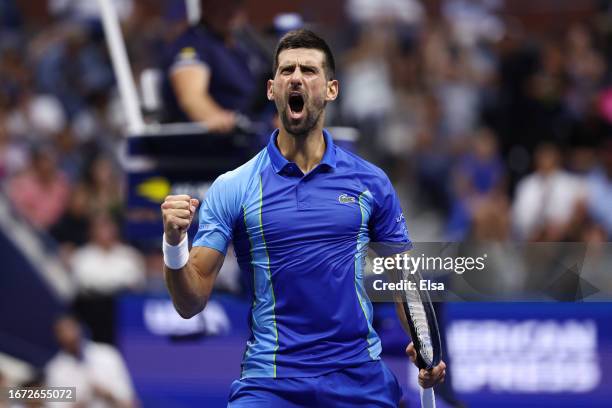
point(428, 398)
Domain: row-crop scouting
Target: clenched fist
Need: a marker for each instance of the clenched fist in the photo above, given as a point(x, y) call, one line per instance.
point(177, 213)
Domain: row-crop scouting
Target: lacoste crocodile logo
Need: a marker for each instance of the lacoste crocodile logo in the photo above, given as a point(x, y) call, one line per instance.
point(345, 199)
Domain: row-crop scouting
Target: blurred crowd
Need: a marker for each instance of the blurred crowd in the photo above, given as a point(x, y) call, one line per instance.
point(490, 129)
point(504, 131)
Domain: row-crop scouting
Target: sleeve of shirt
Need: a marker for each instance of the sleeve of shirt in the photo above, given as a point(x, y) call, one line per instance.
point(186, 51)
point(217, 215)
point(388, 230)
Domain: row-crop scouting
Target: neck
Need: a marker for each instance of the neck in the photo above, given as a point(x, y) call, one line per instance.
point(306, 151)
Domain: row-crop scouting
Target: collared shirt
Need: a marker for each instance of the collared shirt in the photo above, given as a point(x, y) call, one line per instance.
point(302, 240)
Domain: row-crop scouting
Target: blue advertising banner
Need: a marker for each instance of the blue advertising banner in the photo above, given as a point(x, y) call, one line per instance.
point(501, 354)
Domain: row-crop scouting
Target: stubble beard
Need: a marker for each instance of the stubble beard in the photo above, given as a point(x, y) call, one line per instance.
point(304, 126)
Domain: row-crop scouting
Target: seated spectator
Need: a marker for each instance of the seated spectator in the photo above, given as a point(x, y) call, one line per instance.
point(96, 370)
point(479, 204)
point(41, 192)
point(73, 225)
point(546, 200)
point(13, 156)
point(72, 228)
point(103, 186)
point(210, 76)
point(154, 264)
point(599, 192)
point(105, 265)
point(102, 269)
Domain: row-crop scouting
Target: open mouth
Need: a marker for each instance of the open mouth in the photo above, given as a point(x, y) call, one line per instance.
point(296, 103)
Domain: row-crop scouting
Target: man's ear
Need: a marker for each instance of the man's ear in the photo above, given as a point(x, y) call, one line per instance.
point(270, 90)
point(332, 90)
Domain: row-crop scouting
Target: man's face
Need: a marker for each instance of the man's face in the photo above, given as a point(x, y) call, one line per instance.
point(300, 89)
point(223, 16)
point(68, 334)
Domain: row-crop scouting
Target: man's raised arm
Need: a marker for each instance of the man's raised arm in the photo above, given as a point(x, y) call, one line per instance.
point(189, 276)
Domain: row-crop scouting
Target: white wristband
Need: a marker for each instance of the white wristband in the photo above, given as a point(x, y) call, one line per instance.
point(176, 256)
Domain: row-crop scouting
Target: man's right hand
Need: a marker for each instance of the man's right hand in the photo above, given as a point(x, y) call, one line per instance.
point(177, 214)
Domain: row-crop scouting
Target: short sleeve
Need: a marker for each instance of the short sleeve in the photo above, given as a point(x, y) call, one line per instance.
point(388, 230)
point(217, 215)
point(188, 50)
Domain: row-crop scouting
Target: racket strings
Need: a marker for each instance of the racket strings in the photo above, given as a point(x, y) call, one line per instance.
point(421, 326)
point(418, 316)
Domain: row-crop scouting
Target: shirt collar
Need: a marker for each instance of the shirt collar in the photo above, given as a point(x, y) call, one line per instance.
point(279, 162)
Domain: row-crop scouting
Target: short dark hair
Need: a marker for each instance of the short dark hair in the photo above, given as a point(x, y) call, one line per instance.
point(303, 38)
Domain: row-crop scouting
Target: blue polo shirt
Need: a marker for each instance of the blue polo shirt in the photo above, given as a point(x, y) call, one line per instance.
point(302, 239)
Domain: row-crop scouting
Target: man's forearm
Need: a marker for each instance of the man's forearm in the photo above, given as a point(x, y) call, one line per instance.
point(200, 108)
point(186, 289)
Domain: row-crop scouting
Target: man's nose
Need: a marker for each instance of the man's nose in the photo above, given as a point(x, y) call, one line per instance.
point(296, 78)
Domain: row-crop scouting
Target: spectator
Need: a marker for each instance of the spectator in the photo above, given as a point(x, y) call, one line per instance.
point(13, 155)
point(368, 94)
point(102, 269)
point(3, 383)
point(545, 200)
point(599, 192)
point(154, 267)
point(479, 199)
point(41, 192)
point(209, 75)
point(105, 265)
point(96, 370)
point(71, 230)
point(103, 186)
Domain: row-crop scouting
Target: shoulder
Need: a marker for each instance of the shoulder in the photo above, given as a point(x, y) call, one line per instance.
point(84, 253)
point(242, 176)
point(231, 187)
point(56, 362)
point(193, 44)
point(356, 162)
point(102, 351)
point(189, 36)
point(128, 253)
point(372, 177)
point(528, 183)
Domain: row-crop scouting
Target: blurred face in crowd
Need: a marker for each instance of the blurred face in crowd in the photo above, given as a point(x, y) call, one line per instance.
point(547, 159)
point(222, 16)
point(485, 145)
point(44, 164)
point(104, 231)
point(68, 334)
point(300, 89)
point(78, 202)
point(102, 171)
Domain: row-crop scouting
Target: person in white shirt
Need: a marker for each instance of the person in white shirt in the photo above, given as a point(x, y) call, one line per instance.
point(546, 200)
point(103, 269)
point(96, 370)
point(105, 265)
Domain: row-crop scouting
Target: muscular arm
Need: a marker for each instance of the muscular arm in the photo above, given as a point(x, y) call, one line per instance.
point(191, 286)
point(190, 84)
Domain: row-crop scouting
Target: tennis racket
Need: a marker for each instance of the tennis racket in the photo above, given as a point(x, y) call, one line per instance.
point(421, 325)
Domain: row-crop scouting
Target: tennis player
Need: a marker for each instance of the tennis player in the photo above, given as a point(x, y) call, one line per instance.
point(300, 215)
